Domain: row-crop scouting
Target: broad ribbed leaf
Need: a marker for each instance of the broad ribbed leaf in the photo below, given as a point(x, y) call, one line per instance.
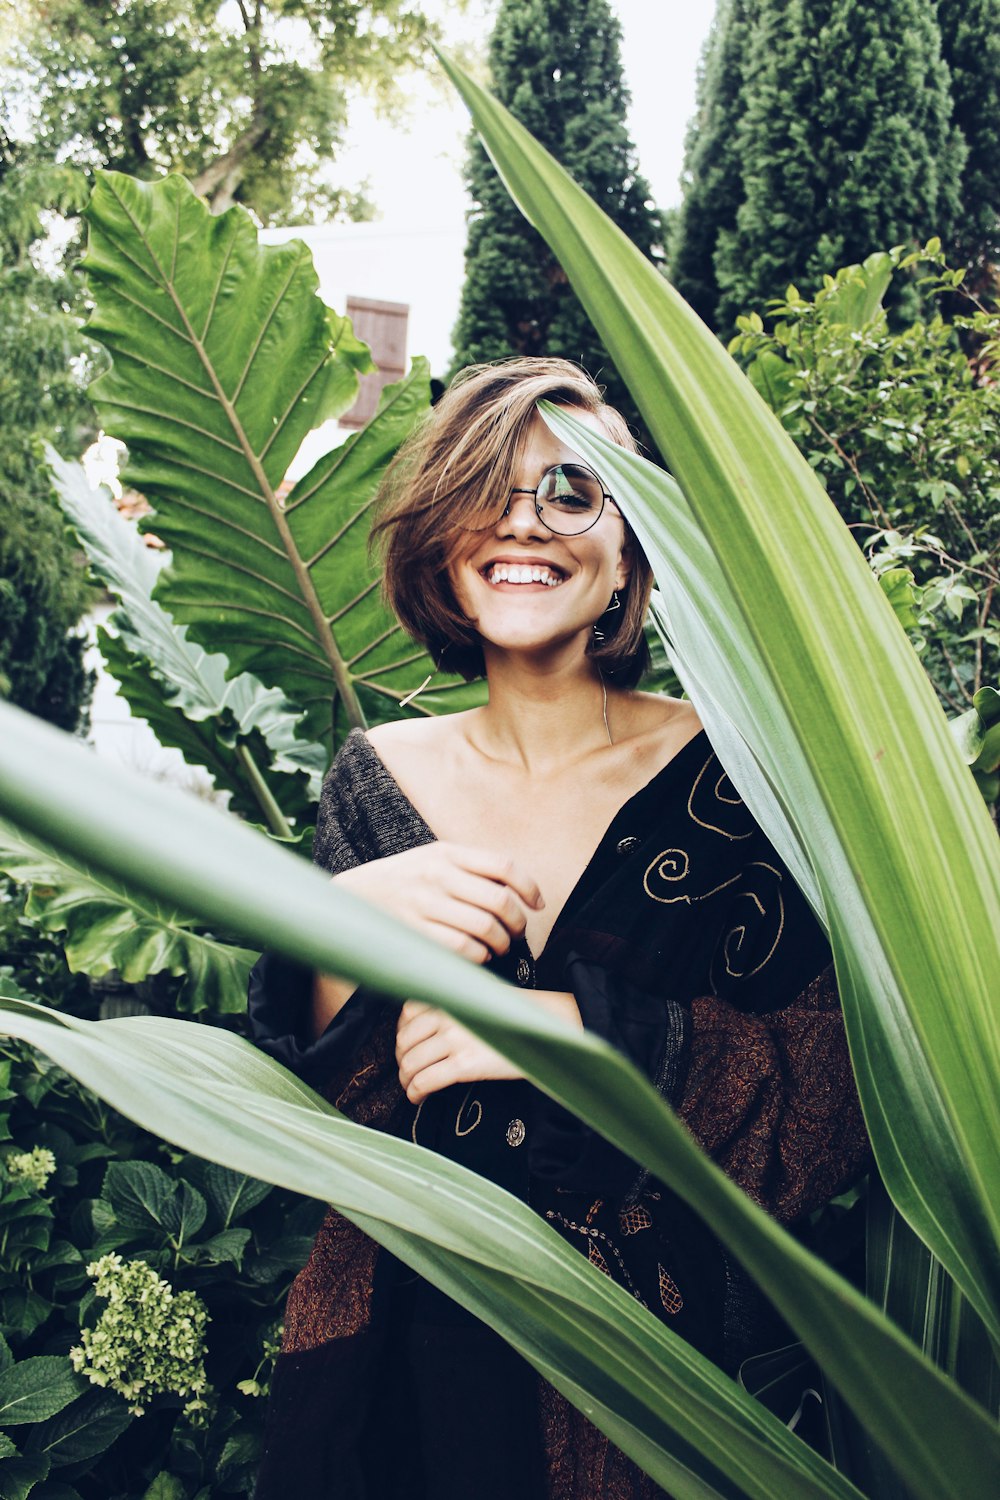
point(691, 1427)
point(82, 1430)
point(108, 926)
point(937, 1438)
point(831, 718)
point(224, 358)
point(37, 1388)
point(243, 734)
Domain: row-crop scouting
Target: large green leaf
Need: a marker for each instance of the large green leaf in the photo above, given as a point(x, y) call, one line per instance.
point(478, 1243)
point(108, 926)
point(243, 734)
point(224, 359)
point(819, 709)
point(936, 1437)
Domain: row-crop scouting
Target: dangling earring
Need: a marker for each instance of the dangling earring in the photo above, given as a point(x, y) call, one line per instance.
point(616, 603)
point(405, 702)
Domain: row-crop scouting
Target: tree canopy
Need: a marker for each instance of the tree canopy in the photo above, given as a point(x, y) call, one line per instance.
point(248, 100)
point(829, 128)
point(556, 65)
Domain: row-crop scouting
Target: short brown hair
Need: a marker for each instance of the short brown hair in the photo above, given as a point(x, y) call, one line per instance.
point(454, 474)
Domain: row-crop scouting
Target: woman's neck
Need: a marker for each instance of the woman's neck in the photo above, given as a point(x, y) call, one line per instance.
point(540, 716)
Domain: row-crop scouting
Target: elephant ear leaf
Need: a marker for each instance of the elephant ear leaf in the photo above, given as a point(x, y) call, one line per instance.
point(243, 734)
point(109, 927)
point(224, 359)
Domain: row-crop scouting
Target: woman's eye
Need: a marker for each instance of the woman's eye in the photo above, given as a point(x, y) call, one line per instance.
point(573, 502)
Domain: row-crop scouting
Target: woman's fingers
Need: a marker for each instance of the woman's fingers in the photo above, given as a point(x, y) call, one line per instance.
point(471, 900)
point(458, 941)
point(430, 1080)
point(424, 1055)
point(415, 1026)
point(489, 896)
point(498, 868)
point(476, 922)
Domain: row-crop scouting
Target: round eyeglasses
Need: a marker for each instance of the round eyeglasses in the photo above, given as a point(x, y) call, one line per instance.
point(569, 499)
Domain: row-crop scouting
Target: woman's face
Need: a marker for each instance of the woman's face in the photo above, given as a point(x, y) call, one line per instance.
point(573, 577)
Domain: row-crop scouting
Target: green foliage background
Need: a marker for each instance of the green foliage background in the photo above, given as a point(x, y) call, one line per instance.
point(43, 359)
point(904, 431)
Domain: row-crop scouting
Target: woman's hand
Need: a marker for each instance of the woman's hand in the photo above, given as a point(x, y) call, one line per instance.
point(434, 1051)
point(469, 900)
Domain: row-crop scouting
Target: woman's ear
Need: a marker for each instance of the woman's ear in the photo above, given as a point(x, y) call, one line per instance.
point(626, 557)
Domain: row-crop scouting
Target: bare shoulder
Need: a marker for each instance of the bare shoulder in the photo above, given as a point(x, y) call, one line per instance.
point(660, 722)
point(405, 746)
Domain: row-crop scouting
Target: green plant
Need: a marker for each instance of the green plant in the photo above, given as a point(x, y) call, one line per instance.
point(228, 1240)
point(825, 129)
point(148, 1341)
point(855, 809)
point(280, 583)
point(904, 432)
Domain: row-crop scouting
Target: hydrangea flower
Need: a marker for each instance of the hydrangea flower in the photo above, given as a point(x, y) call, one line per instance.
point(33, 1168)
point(149, 1340)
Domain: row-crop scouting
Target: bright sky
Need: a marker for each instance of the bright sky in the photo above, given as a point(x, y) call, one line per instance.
point(415, 170)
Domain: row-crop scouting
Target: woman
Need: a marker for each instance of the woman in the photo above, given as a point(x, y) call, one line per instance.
point(580, 837)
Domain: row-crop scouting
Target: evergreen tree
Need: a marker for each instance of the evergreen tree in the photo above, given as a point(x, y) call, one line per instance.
point(970, 45)
point(556, 66)
point(844, 143)
point(43, 586)
point(712, 178)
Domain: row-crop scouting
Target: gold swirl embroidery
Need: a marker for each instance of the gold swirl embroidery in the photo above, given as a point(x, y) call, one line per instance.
point(461, 1130)
point(656, 870)
point(416, 1117)
point(730, 949)
point(726, 802)
point(672, 864)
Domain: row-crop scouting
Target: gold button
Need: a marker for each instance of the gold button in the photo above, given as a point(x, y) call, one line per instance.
point(515, 1132)
point(625, 846)
point(523, 972)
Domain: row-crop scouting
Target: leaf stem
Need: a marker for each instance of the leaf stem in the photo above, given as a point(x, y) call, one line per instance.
point(275, 818)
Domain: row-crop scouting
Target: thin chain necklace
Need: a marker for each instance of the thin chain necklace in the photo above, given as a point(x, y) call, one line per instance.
point(607, 727)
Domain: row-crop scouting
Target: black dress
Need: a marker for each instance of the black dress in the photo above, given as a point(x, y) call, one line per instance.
point(686, 945)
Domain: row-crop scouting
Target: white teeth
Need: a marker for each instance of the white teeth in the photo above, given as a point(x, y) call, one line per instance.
point(523, 573)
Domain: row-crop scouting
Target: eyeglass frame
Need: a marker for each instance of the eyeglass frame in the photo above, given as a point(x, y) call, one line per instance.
point(606, 495)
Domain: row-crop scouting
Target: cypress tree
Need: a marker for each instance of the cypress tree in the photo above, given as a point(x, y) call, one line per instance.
point(844, 142)
point(556, 66)
point(712, 179)
point(970, 45)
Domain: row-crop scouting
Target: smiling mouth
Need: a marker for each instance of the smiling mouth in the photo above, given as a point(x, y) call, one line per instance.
point(521, 573)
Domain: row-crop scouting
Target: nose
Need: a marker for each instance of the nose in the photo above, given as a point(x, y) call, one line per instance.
point(520, 518)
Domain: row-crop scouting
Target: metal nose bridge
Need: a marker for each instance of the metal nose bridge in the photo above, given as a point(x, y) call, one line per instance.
point(518, 491)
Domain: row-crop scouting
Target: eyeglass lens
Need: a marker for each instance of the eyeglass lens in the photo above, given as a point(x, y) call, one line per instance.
point(569, 499)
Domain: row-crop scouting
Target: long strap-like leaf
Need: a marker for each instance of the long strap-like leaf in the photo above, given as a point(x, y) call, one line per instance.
point(821, 684)
point(234, 878)
point(695, 1430)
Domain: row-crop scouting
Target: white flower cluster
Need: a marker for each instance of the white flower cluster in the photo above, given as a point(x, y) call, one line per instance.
point(34, 1167)
point(150, 1340)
